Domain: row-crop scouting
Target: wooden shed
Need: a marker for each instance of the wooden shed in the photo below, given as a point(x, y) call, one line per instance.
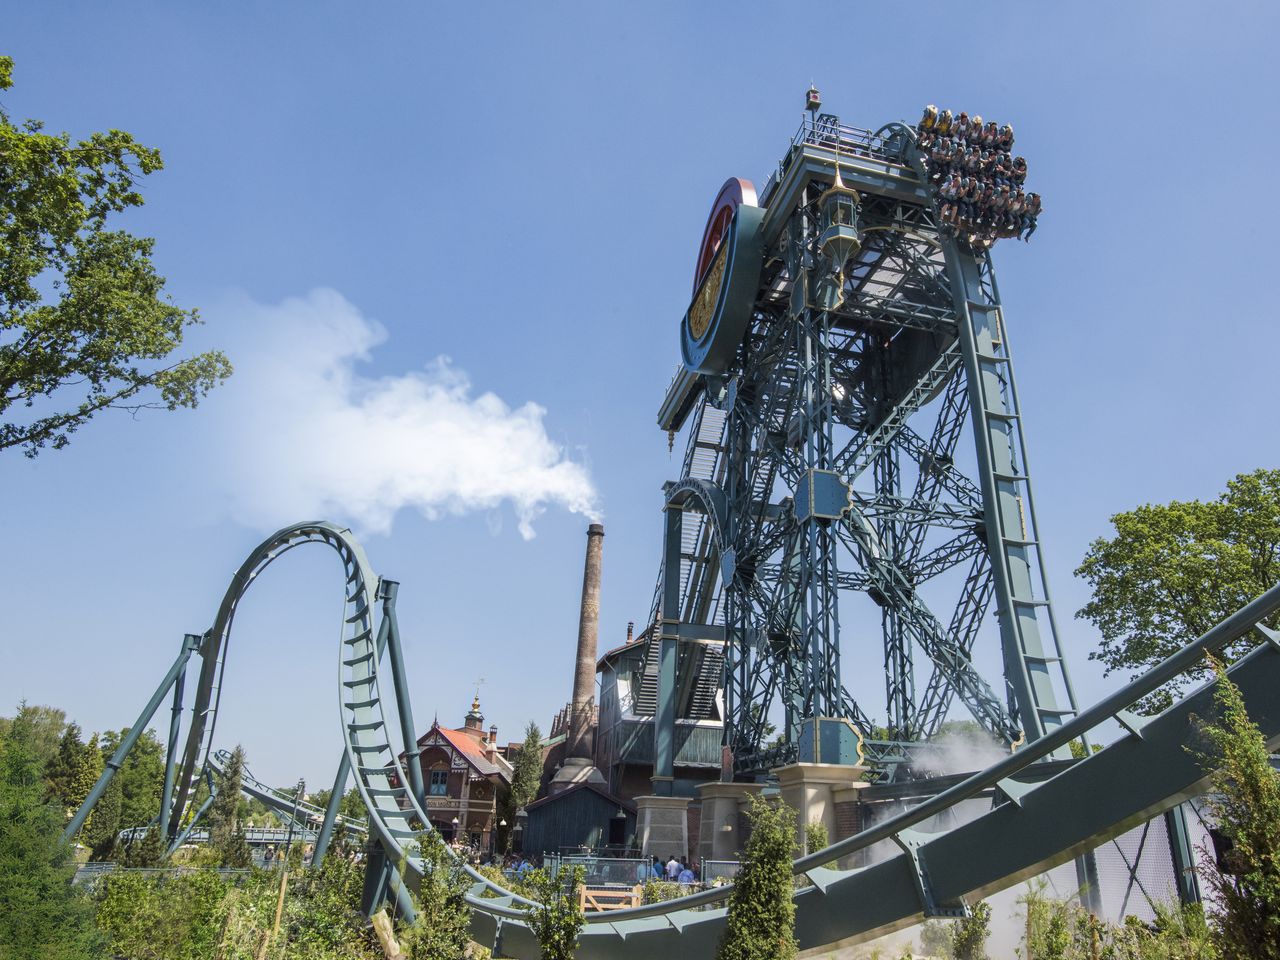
point(585, 815)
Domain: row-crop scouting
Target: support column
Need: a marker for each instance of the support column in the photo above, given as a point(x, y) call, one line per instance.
point(1184, 859)
point(812, 790)
point(662, 826)
point(664, 721)
point(724, 808)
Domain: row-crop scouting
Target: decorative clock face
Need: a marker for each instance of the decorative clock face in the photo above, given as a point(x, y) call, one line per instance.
point(725, 281)
point(704, 303)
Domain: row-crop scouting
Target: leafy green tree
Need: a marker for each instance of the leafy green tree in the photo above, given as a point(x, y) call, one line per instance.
point(1174, 570)
point(969, 935)
point(84, 322)
point(526, 778)
point(762, 916)
point(103, 827)
point(47, 724)
point(558, 918)
point(1246, 803)
point(147, 852)
point(88, 769)
point(42, 917)
point(63, 767)
point(442, 930)
point(141, 776)
point(226, 831)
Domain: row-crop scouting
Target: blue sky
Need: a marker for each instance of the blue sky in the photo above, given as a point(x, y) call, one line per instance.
point(353, 192)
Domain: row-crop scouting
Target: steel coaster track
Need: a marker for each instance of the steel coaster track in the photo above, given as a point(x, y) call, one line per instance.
point(279, 802)
point(1037, 826)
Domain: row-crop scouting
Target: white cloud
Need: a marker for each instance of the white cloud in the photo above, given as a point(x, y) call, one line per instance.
point(314, 438)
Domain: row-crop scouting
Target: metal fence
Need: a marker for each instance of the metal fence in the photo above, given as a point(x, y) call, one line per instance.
point(713, 870)
point(624, 871)
point(89, 872)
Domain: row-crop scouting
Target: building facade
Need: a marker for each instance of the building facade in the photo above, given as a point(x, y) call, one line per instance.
point(465, 774)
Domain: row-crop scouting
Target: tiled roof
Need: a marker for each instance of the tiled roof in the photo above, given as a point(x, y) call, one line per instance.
point(473, 751)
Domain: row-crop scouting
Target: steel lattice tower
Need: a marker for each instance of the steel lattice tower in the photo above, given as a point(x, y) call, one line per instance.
point(828, 456)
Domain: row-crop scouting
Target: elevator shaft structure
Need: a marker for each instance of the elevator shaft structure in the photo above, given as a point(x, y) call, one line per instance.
point(839, 342)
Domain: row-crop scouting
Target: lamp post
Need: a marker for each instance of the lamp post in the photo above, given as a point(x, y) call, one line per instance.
point(522, 817)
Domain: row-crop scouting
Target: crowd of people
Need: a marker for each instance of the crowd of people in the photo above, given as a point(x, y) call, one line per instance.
point(675, 870)
point(979, 182)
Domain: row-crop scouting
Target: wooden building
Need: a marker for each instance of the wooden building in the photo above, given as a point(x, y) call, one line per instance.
point(583, 817)
point(464, 775)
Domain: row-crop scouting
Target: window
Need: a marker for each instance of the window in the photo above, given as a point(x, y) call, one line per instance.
point(439, 783)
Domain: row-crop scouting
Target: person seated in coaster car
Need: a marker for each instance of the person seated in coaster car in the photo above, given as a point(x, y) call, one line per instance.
point(969, 193)
point(986, 205)
point(942, 127)
point(990, 135)
point(972, 161)
point(947, 199)
point(1006, 138)
point(1030, 213)
point(928, 120)
point(988, 165)
point(975, 130)
point(1013, 214)
point(1018, 174)
point(1002, 169)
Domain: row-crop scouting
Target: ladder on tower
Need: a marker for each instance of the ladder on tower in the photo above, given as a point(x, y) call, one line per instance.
point(1034, 664)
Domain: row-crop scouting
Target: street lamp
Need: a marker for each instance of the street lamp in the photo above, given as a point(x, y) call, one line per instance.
point(522, 818)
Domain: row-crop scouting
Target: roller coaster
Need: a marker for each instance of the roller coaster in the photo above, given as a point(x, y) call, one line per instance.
point(765, 392)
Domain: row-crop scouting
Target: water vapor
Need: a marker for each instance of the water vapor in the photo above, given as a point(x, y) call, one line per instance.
point(316, 438)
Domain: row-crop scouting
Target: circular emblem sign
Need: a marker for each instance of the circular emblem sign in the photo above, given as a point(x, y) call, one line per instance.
point(725, 280)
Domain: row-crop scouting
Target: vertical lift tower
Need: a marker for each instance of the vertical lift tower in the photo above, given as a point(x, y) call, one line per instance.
point(854, 436)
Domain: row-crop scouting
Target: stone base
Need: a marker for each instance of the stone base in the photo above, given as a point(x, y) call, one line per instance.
point(724, 806)
point(662, 826)
point(817, 791)
point(573, 772)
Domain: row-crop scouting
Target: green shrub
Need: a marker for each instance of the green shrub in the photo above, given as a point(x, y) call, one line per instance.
point(762, 915)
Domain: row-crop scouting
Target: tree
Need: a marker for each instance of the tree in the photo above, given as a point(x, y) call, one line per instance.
point(88, 769)
point(147, 852)
point(526, 778)
point(1172, 571)
point(969, 935)
point(84, 323)
point(41, 914)
point(47, 724)
point(60, 773)
point(443, 928)
point(141, 776)
point(762, 916)
point(558, 918)
point(103, 826)
point(1246, 802)
point(226, 834)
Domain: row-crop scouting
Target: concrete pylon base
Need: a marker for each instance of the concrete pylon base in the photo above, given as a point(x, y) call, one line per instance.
point(662, 826)
point(573, 772)
point(818, 791)
point(724, 810)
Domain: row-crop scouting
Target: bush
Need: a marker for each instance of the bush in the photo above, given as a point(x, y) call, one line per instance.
point(442, 930)
point(969, 935)
point(762, 915)
point(162, 917)
point(1246, 803)
point(558, 921)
